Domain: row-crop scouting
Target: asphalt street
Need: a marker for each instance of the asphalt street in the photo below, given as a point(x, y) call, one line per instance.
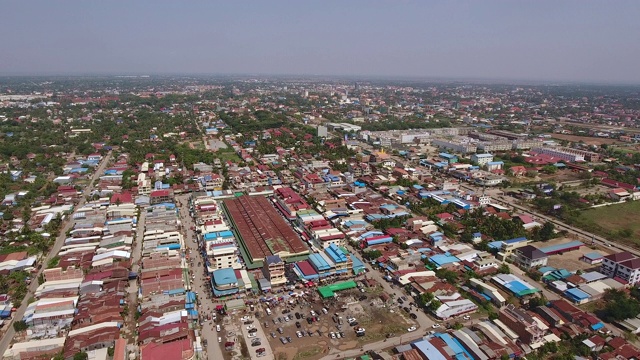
point(19, 313)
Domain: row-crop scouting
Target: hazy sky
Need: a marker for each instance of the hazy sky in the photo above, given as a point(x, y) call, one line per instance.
point(579, 40)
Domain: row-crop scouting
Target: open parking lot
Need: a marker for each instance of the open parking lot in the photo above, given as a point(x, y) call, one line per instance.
point(309, 327)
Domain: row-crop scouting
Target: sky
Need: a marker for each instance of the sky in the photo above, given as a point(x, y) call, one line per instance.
point(537, 40)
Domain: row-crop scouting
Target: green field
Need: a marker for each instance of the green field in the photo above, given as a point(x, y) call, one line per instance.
point(618, 223)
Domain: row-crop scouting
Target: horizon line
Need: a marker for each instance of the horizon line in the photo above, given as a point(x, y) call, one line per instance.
point(416, 78)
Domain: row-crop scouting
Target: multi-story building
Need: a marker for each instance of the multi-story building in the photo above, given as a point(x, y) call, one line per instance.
point(568, 154)
point(525, 144)
point(161, 196)
point(623, 264)
point(223, 254)
point(359, 169)
point(630, 271)
point(481, 159)
point(455, 146)
point(210, 182)
point(522, 323)
point(497, 145)
point(274, 270)
point(144, 184)
point(528, 257)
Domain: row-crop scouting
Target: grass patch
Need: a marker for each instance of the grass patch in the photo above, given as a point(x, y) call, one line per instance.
point(616, 222)
point(313, 351)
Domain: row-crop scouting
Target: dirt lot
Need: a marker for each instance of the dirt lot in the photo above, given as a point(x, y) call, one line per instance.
point(377, 320)
point(571, 260)
point(586, 139)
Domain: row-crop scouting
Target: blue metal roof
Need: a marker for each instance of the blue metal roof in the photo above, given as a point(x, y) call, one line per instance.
point(319, 262)
point(335, 253)
point(224, 277)
point(516, 240)
point(560, 247)
point(427, 349)
point(576, 294)
point(593, 255)
point(442, 259)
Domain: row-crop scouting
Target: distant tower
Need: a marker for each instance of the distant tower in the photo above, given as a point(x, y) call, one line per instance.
point(306, 93)
point(356, 86)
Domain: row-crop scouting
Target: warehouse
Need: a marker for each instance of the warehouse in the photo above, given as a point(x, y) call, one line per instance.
point(261, 230)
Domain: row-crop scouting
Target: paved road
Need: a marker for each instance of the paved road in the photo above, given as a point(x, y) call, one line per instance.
point(136, 255)
point(213, 351)
point(9, 334)
point(583, 235)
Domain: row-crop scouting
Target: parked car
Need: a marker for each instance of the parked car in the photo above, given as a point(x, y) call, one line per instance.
point(298, 324)
point(280, 330)
point(413, 328)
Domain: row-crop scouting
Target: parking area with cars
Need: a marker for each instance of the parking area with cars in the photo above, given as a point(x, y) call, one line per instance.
point(310, 327)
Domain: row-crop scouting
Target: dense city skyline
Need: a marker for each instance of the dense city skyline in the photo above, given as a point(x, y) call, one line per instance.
point(539, 41)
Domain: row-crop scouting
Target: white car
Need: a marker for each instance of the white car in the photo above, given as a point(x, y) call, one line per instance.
point(252, 335)
point(435, 326)
point(218, 328)
point(219, 339)
point(467, 317)
point(313, 313)
point(351, 319)
point(413, 328)
point(333, 335)
point(250, 327)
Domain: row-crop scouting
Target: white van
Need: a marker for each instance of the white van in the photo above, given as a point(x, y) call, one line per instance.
point(268, 311)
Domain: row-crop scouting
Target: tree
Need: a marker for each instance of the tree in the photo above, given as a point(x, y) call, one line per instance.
point(372, 254)
point(449, 276)
point(548, 231)
point(434, 305)
point(537, 301)
point(81, 356)
point(19, 326)
point(619, 306)
point(504, 269)
point(424, 299)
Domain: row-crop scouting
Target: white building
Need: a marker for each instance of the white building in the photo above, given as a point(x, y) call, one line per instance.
point(629, 271)
point(611, 263)
point(481, 159)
